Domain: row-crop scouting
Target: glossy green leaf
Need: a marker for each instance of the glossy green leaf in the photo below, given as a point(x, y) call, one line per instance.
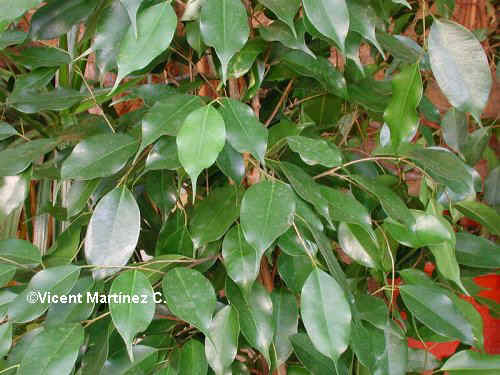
point(330, 18)
point(7, 272)
point(135, 311)
point(476, 251)
point(145, 358)
point(193, 36)
point(214, 215)
point(446, 261)
point(38, 57)
point(285, 10)
point(221, 349)
point(436, 310)
point(78, 195)
point(363, 20)
point(475, 145)
point(155, 29)
point(231, 163)
point(280, 32)
point(315, 151)
point(392, 204)
point(224, 26)
point(192, 358)
point(190, 296)
point(468, 360)
point(243, 130)
point(98, 347)
point(13, 192)
point(98, 156)
point(241, 260)
point(306, 187)
point(54, 351)
point(6, 131)
point(55, 19)
point(241, 63)
point(113, 232)
point(200, 140)
point(492, 188)
point(285, 321)
point(326, 314)
point(132, 7)
point(401, 114)
point(344, 207)
point(167, 116)
point(313, 360)
point(454, 128)
point(267, 211)
point(294, 270)
point(14, 160)
point(482, 213)
point(54, 281)
point(255, 313)
point(357, 243)
point(460, 66)
point(112, 25)
point(297, 241)
point(5, 338)
point(19, 252)
point(10, 10)
point(33, 101)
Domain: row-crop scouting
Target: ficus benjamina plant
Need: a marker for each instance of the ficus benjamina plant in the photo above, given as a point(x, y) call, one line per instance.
point(286, 187)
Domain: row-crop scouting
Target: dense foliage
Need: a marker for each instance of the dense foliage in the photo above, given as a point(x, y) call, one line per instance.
point(278, 186)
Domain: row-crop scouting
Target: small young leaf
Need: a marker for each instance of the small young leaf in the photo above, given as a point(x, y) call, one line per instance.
point(134, 316)
point(224, 26)
point(200, 140)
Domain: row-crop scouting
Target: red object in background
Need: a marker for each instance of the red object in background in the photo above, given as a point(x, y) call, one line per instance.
point(439, 349)
point(491, 283)
point(429, 268)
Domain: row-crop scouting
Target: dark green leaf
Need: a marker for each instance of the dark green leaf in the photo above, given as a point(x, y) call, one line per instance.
point(285, 321)
point(6, 131)
point(316, 151)
point(480, 212)
point(14, 160)
point(477, 251)
point(285, 10)
point(358, 244)
point(192, 358)
point(313, 360)
point(33, 101)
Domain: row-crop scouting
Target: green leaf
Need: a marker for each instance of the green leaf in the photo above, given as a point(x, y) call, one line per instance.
point(390, 349)
point(78, 195)
point(115, 227)
point(460, 66)
point(72, 310)
point(5, 338)
point(401, 114)
point(135, 311)
point(200, 140)
point(358, 244)
point(6, 131)
point(156, 27)
point(19, 252)
point(492, 188)
point(145, 358)
point(446, 261)
point(67, 245)
point(306, 187)
point(132, 7)
point(243, 130)
point(224, 26)
point(241, 63)
point(419, 361)
point(37, 57)
point(468, 360)
point(436, 310)
point(98, 347)
point(167, 116)
point(315, 151)
point(476, 251)
point(483, 214)
point(192, 358)
point(222, 346)
point(213, 216)
point(294, 270)
point(285, 321)
point(255, 314)
point(163, 155)
point(241, 260)
point(267, 211)
point(193, 36)
point(428, 230)
point(112, 25)
point(326, 314)
point(280, 32)
point(7, 272)
point(475, 145)
point(392, 204)
point(231, 163)
point(55, 18)
point(14, 160)
point(10, 10)
point(363, 20)
point(344, 207)
point(190, 296)
point(330, 18)
point(298, 242)
point(101, 155)
point(13, 192)
point(313, 360)
point(33, 101)
point(454, 128)
point(285, 10)
point(11, 37)
point(51, 281)
point(53, 351)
